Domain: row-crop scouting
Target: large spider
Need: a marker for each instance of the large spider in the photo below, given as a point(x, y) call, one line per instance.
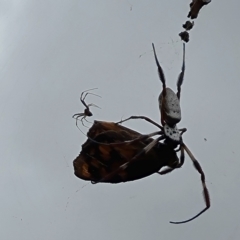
point(87, 112)
point(169, 105)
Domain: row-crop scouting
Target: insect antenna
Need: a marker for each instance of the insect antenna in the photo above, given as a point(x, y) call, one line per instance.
point(205, 190)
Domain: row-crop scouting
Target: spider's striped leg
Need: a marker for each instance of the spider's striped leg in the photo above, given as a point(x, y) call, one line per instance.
point(128, 142)
point(163, 80)
point(160, 71)
point(135, 158)
point(141, 117)
point(205, 190)
point(181, 75)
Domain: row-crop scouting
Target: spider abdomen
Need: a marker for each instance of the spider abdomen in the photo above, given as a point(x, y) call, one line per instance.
point(170, 107)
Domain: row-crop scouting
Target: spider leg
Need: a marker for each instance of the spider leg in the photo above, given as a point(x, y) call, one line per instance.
point(147, 148)
point(163, 80)
point(205, 190)
point(128, 142)
point(160, 71)
point(84, 118)
point(181, 75)
point(77, 116)
point(90, 94)
point(87, 120)
point(93, 105)
point(125, 165)
point(141, 117)
point(88, 91)
point(82, 98)
point(182, 130)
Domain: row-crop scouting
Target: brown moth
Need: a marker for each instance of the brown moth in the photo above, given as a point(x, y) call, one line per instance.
point(96, 161)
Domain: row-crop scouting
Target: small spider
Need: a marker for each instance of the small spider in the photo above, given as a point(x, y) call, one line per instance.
point(87, 112)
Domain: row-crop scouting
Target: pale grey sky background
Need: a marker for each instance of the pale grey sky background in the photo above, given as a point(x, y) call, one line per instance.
point(50, 51)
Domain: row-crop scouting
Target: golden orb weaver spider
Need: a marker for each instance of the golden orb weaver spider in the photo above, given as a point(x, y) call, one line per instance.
point(114, 153)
